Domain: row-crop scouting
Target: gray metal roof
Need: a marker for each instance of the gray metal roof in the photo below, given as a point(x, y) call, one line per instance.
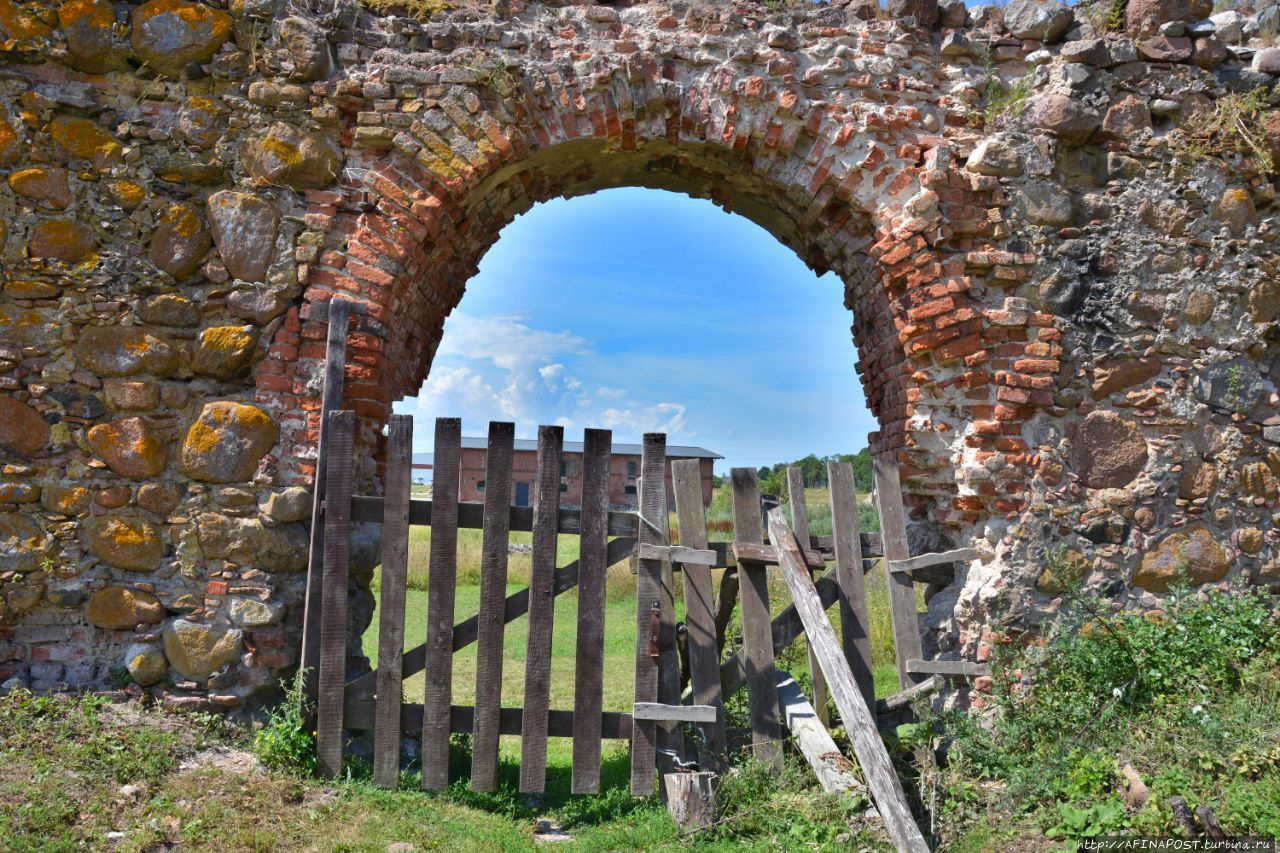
point(674, 451)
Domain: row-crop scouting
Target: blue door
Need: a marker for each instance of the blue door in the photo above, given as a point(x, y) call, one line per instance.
point(522, 494)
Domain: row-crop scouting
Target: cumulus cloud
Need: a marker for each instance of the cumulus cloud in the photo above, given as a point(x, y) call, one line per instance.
point(661, 417)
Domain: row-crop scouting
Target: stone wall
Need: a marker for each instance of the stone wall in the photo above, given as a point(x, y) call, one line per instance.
point(1063, 310)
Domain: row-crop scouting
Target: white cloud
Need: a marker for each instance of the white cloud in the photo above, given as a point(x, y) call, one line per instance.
point(507, 343)
point(662, 417)
point(611, 393)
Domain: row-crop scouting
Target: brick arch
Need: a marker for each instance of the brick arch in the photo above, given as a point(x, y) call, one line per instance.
point(865, 191)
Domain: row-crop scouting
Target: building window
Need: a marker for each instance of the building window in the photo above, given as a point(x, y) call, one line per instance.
point(629, 490)
point(564, 487)
point(631, 474)
point(564, 468)
point(480, 486)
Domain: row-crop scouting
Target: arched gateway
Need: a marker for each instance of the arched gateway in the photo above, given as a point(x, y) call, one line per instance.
point(1064, 322)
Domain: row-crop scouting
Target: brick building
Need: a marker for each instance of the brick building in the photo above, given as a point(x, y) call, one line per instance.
point(624, 471)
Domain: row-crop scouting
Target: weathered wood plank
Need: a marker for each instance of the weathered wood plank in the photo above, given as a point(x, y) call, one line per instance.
point(542, 602)
point(471, 516)
point(437, 654)
point(883, 781)
point(704, 653)
point(757, 630)
point(670, 735)
point(333, 627)
point(965, 668)
point(360, 713)
point(754, 552)
point(493, 590)
point(335, 360)
point(902, 590)
point(942, 558)
point(834, 771)
point(800, 523)
point(644, 740)
point(517, 605)
point(904, 698)
point(679, 553)
point(855, 636)
point(673, 713)
point(691, 800)
point(588, 685)
point(395, 564)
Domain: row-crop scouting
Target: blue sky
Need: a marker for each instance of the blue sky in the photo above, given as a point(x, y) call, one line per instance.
point(643, 310)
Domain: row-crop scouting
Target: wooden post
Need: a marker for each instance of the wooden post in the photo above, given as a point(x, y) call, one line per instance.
point(800, 520)
point(861, 728)
point(704, 653)
point(670, 735)
point(902, 589)
point(395, 562)
point(437, 656)
point(834, 771)
point(855, 637)
point(542, 602)
point(648, 617)
point(335, 360)
point(588, 685)
point(333, 627)
point(691, 799)
point(493, 593)
point(757, 630)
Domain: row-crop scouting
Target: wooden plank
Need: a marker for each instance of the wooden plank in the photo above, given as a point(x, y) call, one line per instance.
point(883, 781)
point(670, 734)
point(493, 591)
point(904, 698)
point(542, 602)
point(902, 590)
point(834, 771)
point(335, 360)
point(471, 517)
point(588, 684)
point(360, 713)
point(673, 713)
point(644, 733)
point(942, 558)
point(700, 619)
point(800, 523)
point(757, 630)
point(679, 553)
point(333, 625)
point(765, 555)
point(438, 652)
point(395, 565)
point(964, 668)
point(516, 605)
point(855, 635)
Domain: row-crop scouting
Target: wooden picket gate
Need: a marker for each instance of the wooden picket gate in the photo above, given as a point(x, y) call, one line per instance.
point(682, 677)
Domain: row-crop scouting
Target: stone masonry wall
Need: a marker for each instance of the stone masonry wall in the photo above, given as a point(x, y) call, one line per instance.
point(1063, 310)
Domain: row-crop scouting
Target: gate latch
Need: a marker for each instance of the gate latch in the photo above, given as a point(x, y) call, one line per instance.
point(655, 628)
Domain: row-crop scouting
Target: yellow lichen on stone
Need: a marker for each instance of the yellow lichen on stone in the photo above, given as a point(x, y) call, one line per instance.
point(19, 25)
point(62, 240)
point(169, 34)
point(10, 143)
point(84, 140)
point(22, 289)
point(127, 194)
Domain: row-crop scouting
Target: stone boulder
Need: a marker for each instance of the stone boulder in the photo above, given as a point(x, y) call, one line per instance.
point(146, 663)
point(244, 230)
point(291, 504)
point(1198, 480)
point(226, 442)
point(1107, 450)
point(22, 430)
point(62, 240)
point(251, 613)
point(197, 650)
point(1165, 48)
point(308, 48)
point(995, 156)
point(1128, 120)
point(200, 121)
point(925, 12)
point(224, 352)
point(116, 351)
point(1046, 203)
point(180, 241)
point(118, 608)
point(82, 139)
point(1234, 385)
point(1145, 17)
point(1043, 20)
point(130, 447)
point(1065, 117)
point(168, 35)
point(170, 309)
point(292, 157)
point(248, 542)
point(46, 184)
point(23, 544)
point(126, 542)
point(65, 498)
point(90, 30)
point(257, 306)
point(1116, 374)
point(1191, 557)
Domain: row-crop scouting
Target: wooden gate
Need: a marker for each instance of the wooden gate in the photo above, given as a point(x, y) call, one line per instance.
point(683, 673)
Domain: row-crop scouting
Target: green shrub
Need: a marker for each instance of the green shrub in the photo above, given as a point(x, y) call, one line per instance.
point(286, 741)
